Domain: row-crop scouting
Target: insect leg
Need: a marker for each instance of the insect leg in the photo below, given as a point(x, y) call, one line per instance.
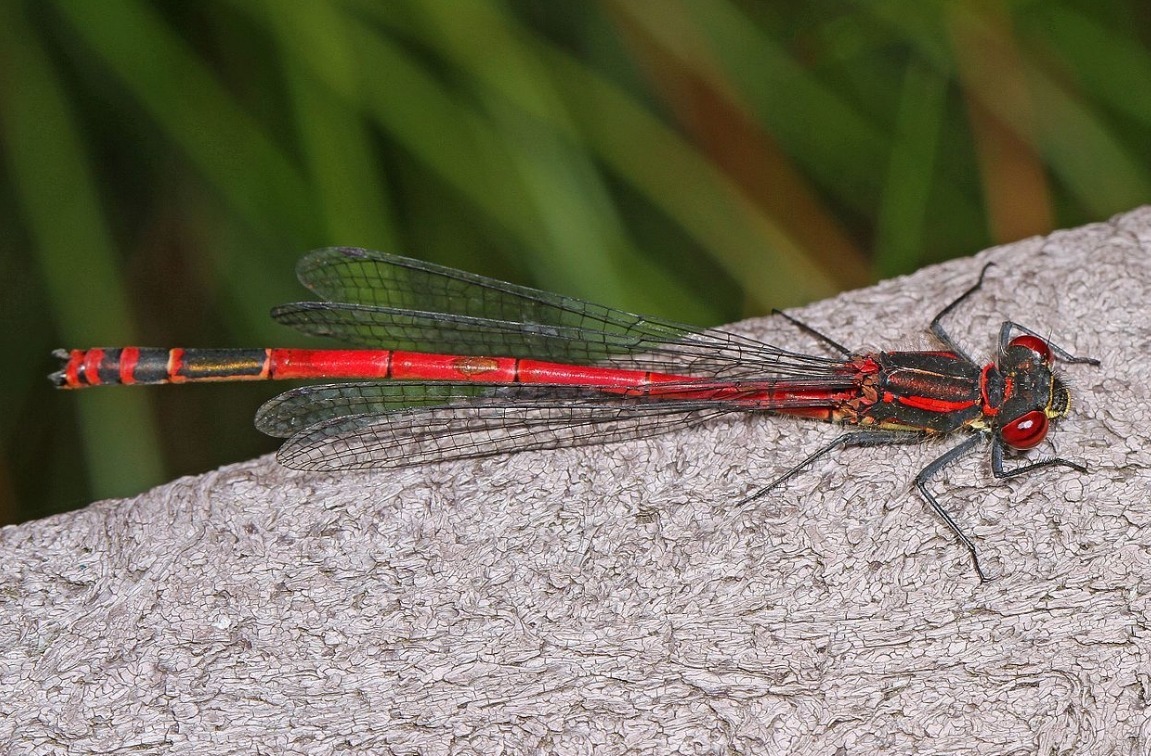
point(997, 463)
point(928, 472)
point(812, 332)
point(937, 326)
point(853, 438)
point(1005, 337)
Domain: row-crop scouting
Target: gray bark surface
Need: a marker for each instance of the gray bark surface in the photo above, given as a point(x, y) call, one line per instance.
point(612, 600)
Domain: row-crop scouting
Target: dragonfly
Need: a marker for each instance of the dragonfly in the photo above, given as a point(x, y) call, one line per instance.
point(475, 367)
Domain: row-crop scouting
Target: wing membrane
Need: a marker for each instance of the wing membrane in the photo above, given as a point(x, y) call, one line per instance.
point(381, 300)
point(377, 424)
point(436, 434)
point(386, 301)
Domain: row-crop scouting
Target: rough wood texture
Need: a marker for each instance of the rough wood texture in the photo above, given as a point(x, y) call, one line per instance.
point(612, 599)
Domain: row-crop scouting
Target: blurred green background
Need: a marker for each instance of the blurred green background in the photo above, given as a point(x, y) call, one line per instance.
point(165, 163)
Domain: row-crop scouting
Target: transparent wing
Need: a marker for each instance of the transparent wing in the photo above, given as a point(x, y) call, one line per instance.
point(371, 424)
point(381, 300)
point(436, 434)
point(376, 299)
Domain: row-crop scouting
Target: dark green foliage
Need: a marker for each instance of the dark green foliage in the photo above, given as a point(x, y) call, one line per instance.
point(164, 164)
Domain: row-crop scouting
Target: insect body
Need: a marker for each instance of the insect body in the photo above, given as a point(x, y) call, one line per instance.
point(458, 365)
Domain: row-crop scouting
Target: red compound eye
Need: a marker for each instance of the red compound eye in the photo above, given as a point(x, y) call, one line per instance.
point(1035, 344)
point(1026, 431)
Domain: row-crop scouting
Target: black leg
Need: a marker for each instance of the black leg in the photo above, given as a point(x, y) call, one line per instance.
point(1005, 336)
point(854, 438)
point(890, 438)
point(937, 326)
point(921, 483)
point(997, 463)
point(811, 331)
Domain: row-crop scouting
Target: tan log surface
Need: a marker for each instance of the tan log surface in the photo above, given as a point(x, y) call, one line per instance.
point(611, 598)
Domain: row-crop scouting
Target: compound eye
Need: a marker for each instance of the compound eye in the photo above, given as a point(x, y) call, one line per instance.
point(1034, 344)
point(1025, 432)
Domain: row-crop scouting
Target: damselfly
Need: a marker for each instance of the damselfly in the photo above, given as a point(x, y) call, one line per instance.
point(476, 367)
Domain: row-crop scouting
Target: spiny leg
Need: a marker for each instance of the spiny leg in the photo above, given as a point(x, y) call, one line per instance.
point(937, 326)
point(891, 438)
point(1065, 356)
point(997, 463)
point(921, 483)
point(853, 438)
point(812, 332)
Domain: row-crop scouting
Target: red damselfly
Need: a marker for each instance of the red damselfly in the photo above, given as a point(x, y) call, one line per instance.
point(477, 367)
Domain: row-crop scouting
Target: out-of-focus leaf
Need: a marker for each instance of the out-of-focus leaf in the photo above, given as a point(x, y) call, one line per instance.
point(49, 163)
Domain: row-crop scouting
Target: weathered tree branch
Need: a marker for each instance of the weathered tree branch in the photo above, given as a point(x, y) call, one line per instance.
point(613, 597)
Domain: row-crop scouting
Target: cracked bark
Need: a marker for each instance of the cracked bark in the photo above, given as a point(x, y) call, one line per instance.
point(612, 597)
